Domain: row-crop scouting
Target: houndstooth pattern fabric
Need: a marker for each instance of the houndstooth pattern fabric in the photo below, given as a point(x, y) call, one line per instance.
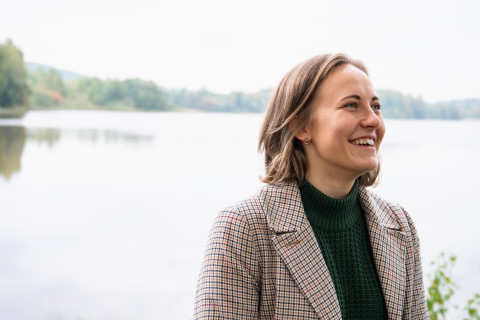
point(263, 261)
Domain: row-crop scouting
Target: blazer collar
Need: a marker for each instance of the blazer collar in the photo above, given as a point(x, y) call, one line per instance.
point(285, 213)
point(284, 208)
point(296, 244)
point(389, 245)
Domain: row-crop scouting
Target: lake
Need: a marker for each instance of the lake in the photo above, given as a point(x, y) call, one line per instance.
point(105, 215)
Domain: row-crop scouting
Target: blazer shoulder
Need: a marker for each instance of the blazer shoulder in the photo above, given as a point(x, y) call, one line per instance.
point(246, 217)
point(246, 208)
point(388, 213)
point(268, 197)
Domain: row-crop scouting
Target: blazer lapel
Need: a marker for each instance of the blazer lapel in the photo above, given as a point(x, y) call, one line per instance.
point(296, 244)
point(389, 249)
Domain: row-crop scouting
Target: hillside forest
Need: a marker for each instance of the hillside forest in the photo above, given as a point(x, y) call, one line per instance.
point(25, 86)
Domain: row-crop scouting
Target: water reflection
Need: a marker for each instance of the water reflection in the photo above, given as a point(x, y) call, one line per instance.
point(112, 136)
point(12, 143)
point(50, 136)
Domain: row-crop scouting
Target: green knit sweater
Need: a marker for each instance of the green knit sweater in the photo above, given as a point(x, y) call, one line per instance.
point(341, 231)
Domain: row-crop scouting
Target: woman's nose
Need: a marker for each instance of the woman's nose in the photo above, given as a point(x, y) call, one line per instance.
point(371, 118)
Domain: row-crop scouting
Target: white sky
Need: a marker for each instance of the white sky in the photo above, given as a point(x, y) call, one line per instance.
point(428, 48)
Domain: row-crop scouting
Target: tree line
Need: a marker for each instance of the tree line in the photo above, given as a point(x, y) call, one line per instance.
point(44, 87)
point(49, 89)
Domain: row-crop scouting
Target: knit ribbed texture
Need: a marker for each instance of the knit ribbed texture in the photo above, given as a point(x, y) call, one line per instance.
point(341, 231)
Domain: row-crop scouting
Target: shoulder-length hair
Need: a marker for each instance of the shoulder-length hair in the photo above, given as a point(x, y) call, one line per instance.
point(285, 159)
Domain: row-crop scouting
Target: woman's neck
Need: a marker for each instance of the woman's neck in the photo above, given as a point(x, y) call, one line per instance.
point(332, 186)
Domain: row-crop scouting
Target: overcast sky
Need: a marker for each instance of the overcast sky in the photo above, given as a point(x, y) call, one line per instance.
point(428, 48)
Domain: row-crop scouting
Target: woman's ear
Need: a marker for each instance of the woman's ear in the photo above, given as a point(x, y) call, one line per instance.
point(300, 132)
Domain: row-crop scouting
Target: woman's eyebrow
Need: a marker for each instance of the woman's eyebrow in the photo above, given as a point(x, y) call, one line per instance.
point(351, 96)
point(355, 96)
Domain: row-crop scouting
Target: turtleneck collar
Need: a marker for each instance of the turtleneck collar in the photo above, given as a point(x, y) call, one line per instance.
point(327, 213)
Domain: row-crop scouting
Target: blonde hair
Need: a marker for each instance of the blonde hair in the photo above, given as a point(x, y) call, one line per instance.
point(285, 159)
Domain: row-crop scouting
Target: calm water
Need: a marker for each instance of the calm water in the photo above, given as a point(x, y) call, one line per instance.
point(105, 215)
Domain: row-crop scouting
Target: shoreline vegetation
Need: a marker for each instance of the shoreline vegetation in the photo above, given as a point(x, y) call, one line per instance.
point(28, 86)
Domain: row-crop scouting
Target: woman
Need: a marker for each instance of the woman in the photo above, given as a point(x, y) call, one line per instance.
point(314, 243)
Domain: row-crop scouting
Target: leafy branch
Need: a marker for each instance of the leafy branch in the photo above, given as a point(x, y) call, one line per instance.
point(441, 289)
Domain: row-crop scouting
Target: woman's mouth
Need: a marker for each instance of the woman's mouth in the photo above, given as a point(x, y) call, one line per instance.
point(364, 142)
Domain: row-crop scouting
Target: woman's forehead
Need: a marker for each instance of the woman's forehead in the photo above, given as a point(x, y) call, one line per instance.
point(346, 80)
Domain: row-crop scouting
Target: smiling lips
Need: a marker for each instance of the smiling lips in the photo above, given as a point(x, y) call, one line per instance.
point(364, 142)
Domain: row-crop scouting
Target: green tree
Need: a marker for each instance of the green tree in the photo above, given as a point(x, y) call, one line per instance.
point(91, 87)
point(114, 91)
point(47, 86)
point(14, 90)
point(145, 95)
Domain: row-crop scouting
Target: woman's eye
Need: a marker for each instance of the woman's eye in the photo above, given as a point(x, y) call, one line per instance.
point(351, 105)
point(376, 107)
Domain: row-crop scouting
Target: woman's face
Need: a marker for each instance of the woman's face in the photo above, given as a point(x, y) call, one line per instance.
point(347, 126)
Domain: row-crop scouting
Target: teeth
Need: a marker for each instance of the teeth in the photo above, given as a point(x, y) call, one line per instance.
point(369, 142)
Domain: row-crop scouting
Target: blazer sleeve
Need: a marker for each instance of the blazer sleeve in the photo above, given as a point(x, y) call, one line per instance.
point(228, 286)
point(416, 294)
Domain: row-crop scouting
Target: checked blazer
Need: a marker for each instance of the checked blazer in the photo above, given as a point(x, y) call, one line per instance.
point(263, 261)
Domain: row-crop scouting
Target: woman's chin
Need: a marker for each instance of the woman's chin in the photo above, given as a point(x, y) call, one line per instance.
point(367, 168)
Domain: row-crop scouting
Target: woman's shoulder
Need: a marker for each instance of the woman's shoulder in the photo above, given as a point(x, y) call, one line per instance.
point(243, 212)
point(267, 195)
point(254, 210)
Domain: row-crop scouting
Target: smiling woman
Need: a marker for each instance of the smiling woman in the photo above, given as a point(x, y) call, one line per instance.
point(314, 243)
point(345, 132)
